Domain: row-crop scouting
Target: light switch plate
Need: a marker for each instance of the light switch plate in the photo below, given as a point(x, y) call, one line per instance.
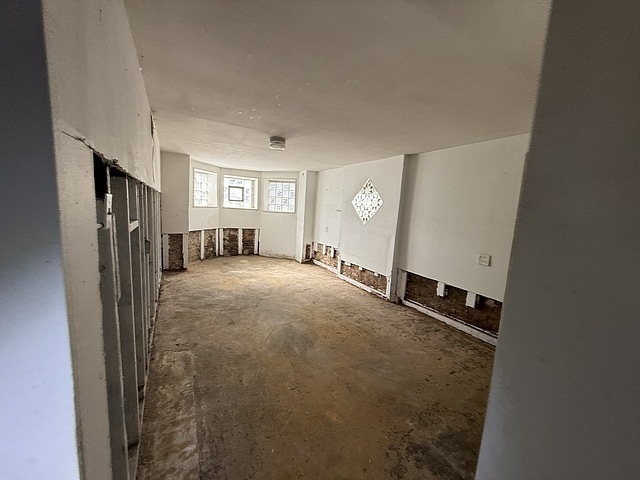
point(484, 259)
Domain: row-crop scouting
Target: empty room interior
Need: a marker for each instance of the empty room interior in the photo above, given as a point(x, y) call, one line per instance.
point(321, 239)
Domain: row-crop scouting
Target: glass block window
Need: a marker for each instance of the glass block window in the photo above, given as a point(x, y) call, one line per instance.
point(205, 188)
point(367, 202)
point(282, 196)
point(240, 192)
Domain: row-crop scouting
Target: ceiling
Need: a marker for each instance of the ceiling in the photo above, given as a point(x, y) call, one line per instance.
point(344, 81)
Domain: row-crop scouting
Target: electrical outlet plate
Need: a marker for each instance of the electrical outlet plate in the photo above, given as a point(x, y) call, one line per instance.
point(484, 259)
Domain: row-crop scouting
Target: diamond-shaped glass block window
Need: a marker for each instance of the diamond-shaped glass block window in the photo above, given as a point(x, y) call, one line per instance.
point(367, 202)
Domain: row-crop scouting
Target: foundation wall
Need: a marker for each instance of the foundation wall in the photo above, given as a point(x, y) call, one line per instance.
point(176, 261)
point(248, 241)
point(209, 244)
point(326, 258)
point(230, 241)
point(423, 291)
point(203, 244)
point(366, 277)
point(194, 246)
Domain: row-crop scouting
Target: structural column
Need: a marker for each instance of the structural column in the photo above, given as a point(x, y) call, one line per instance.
point(565, 394)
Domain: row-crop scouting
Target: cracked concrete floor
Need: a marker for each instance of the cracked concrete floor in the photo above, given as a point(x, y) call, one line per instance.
point(268, 369)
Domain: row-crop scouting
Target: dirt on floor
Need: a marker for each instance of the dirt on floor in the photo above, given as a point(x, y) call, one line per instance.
point(269, 369)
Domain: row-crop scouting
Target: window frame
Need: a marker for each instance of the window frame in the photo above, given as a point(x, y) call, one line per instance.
point(255, 195)
point(215, 185)
point(268, 191)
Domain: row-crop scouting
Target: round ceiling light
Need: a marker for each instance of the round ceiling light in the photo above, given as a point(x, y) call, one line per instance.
point(276, 143)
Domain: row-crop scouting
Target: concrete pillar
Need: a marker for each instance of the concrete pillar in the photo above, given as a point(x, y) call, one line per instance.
point(565, 394)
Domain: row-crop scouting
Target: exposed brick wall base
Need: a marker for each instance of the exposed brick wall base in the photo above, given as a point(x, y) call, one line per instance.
point(423, 291)
point(248, 241)
point(175, 252)
point(209, 244)
point(194, 246)
point(230, 241)
point(230, 245)
point(326, 258)
point(366, 277)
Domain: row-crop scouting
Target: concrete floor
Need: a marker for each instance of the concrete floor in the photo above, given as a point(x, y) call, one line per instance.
point(268, 369)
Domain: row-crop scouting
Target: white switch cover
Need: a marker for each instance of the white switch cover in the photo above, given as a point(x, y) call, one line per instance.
point(441, 289)
point(484, 259)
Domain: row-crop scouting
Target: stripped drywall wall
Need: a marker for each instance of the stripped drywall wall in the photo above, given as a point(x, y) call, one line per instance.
point(458, 203)
point(99, 106)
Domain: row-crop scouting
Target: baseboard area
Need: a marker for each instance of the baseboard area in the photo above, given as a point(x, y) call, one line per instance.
point(487, 337)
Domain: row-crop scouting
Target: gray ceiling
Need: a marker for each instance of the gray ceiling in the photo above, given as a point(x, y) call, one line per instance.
point(344, 81)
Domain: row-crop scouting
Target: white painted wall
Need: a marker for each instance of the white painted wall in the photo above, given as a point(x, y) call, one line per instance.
point(97, 88)
point(565, 392)
point(460, 202)
point(372, 245)
point(277, 229)
point(201, 218)
point(326, 229)
point(37, 409)
point(175, 192)
point(306, 211)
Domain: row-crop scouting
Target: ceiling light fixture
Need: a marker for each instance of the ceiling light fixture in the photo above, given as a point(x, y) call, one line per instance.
point(276, 143)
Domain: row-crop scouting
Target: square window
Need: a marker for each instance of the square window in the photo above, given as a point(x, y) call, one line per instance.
point(282, 196)
point(205, 188)
point(236, 194)
point(240, 192)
